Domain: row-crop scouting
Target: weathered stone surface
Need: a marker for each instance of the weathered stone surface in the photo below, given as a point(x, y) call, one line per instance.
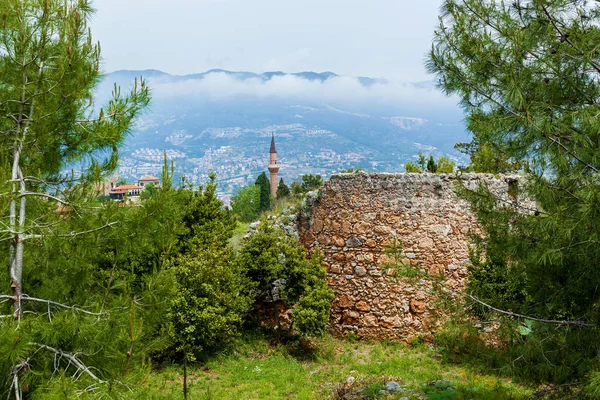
point(345, 302)
point(360, 271)
point(353, 242)
point(418, 306)
point(358, 215)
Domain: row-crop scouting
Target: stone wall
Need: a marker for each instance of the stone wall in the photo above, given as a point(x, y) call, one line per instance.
point(354, 217)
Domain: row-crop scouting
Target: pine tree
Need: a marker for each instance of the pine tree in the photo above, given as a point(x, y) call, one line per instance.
point(283, 190)
point(48, 122)
point(50, 67)
point(431, 165)
point(527, 75)
point(265, 192)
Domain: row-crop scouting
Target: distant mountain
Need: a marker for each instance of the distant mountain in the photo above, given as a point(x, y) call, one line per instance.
point(323, 122)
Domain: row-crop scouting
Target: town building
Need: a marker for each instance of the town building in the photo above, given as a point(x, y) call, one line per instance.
point(132, 191)
point(120, 192)
point(147, 179)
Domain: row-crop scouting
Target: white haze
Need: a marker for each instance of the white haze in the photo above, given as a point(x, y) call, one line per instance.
point(220, 86)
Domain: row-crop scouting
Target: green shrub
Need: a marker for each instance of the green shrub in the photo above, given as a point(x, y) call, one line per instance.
point(269, 256)
point(208, 309)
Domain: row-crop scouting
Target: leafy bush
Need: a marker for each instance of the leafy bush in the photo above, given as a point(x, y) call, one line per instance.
point(271, 256)
point(208, 309)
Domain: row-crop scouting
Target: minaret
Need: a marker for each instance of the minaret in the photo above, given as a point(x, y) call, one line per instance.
point(273, 167)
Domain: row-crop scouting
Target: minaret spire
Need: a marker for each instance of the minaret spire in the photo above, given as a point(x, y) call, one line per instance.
point(272, 144)
point(273, 167)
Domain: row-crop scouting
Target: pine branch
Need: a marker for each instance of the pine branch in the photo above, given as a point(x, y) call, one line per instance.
point(24, 297)
point(81, 367)
point(569, 152)
point(38, 194)
point(14, 372)
point(74, 234)
point(545, 321)
point(565, 37)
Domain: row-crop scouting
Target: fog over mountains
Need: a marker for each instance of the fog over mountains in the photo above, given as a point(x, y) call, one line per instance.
point(323, 122)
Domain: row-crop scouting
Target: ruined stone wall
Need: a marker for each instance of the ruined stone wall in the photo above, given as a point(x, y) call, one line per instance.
point(355, 216)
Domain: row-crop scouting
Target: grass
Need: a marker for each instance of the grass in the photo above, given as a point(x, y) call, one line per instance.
point(259, 370)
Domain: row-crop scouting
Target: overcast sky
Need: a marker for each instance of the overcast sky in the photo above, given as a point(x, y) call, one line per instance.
point(376, 38)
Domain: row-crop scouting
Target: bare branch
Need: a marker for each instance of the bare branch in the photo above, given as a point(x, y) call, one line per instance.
point(81, 367)
point(49, 196)
point(545, 321)
point(24, 297)
point(74, 234)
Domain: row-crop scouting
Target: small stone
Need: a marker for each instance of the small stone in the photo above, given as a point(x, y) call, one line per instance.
point(362, 227)
point(392, 386)
point(254, 225)
point(345, 302)
point(362, 306)
point(418, 307)
point(370, 320)
point(353, 242)
point(371, 243)
point(375, 272)
point(360, 271)
point(317, 225)
point(350, 380)
point(411, 256)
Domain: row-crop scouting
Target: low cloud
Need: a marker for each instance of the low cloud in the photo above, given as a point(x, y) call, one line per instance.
point(223, 86)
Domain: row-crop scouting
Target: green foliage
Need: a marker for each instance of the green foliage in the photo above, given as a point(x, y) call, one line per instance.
point(246, 203)
point(431, 165)
point(351, 170)
point(282, 189)
point(485, 159)
point(207, 221)
point(208, 310)
point(527, 75)
point(307, 183)
point(443, 165)
point(149, 191)
point(411, 167)
point(53, 245)
point(592, 389)
point(311, 182)
point(491, 280)
point(297, 189)
point(265, 192)
point(269, 256)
